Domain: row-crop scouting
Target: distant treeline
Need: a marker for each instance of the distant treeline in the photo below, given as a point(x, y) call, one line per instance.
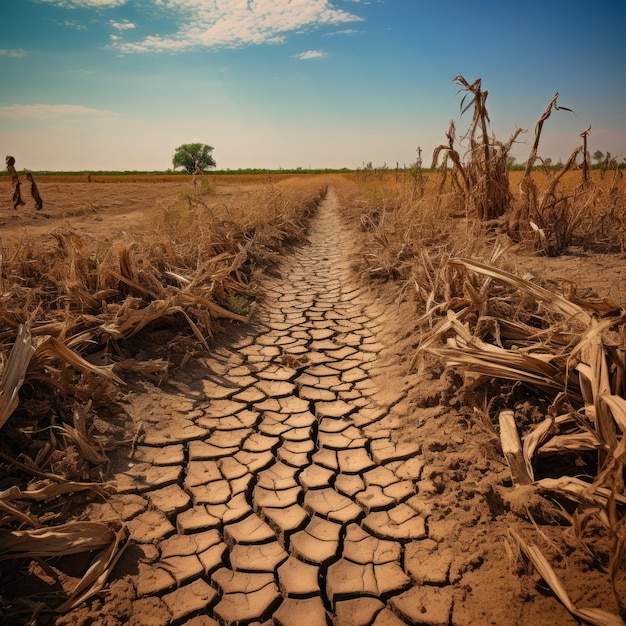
point(169, 172)
point(298, 170)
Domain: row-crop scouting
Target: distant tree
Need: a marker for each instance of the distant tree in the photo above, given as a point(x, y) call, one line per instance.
point(193, 156)
point(598, 156)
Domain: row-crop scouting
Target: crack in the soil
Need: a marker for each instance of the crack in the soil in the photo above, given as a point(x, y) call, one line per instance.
point(326, 406)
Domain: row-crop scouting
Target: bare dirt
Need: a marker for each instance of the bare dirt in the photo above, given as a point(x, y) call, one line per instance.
point(301, 473)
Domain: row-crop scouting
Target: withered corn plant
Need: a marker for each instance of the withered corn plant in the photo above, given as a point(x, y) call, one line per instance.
point(480, 175)
point(549, 217)
point(15, 181)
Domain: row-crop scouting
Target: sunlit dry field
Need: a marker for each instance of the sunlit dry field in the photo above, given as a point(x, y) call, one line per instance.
point(121, 277)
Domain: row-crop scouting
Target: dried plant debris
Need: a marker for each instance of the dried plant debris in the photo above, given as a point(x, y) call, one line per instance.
point(575, 361)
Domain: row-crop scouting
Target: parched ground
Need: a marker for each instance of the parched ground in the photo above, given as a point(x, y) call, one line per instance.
point(302, 475)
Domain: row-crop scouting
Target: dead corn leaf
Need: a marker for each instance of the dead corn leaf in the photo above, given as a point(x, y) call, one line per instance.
point(100, 569)
point(558, 303)
point(533, 440)
point(52, 348)
point(50, 491)
point(593, 616)
point(70, 538)
point(580, 491)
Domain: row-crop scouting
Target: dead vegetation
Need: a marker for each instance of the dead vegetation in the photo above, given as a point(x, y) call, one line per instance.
point(79, 317)
point(547, 370)
point(480, 179)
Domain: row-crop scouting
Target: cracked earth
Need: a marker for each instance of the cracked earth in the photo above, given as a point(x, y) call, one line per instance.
point(281, 487)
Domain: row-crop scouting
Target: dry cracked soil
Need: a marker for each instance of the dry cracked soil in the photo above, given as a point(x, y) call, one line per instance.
point(301, 475)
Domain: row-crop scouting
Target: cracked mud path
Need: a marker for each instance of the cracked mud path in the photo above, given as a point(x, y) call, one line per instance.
point(278, 495)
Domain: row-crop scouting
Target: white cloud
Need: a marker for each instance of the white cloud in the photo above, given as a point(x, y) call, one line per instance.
point(311, 54)
point(16, 53)
point(49, 111)
point(237, 23)
point(123, 25)
point(86, 4)
point(347, 31)
point(75, 25)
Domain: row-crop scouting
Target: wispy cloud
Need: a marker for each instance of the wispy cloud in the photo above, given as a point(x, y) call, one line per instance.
point(236, 23)
point(86, 4)
point(76, 25)
point(347, 31)
point(16, 53)
point(312, 54)
point(49, 111)
point(123, 25)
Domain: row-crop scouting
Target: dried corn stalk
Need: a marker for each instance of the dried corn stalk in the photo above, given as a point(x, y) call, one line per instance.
point(483, 181)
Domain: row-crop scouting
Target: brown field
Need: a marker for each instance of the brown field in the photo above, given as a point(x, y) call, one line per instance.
point(129, 280)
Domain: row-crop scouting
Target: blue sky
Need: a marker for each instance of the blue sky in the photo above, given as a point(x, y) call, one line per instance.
point(119, 84)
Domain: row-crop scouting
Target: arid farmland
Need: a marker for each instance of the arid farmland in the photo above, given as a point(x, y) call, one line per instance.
point(299, 399)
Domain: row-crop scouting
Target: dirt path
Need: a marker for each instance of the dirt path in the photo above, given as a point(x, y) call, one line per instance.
point(283, 487)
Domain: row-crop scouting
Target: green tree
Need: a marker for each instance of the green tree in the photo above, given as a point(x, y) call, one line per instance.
point(192, 156)
point(598, 156)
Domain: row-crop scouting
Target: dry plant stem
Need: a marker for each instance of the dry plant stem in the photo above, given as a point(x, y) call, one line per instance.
point(585, 163)
point(527, 186)
point(14, 373)
point(17, 196)
point(549, 194)
point(532, 157)
point(512, 448)
point(34, 191)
